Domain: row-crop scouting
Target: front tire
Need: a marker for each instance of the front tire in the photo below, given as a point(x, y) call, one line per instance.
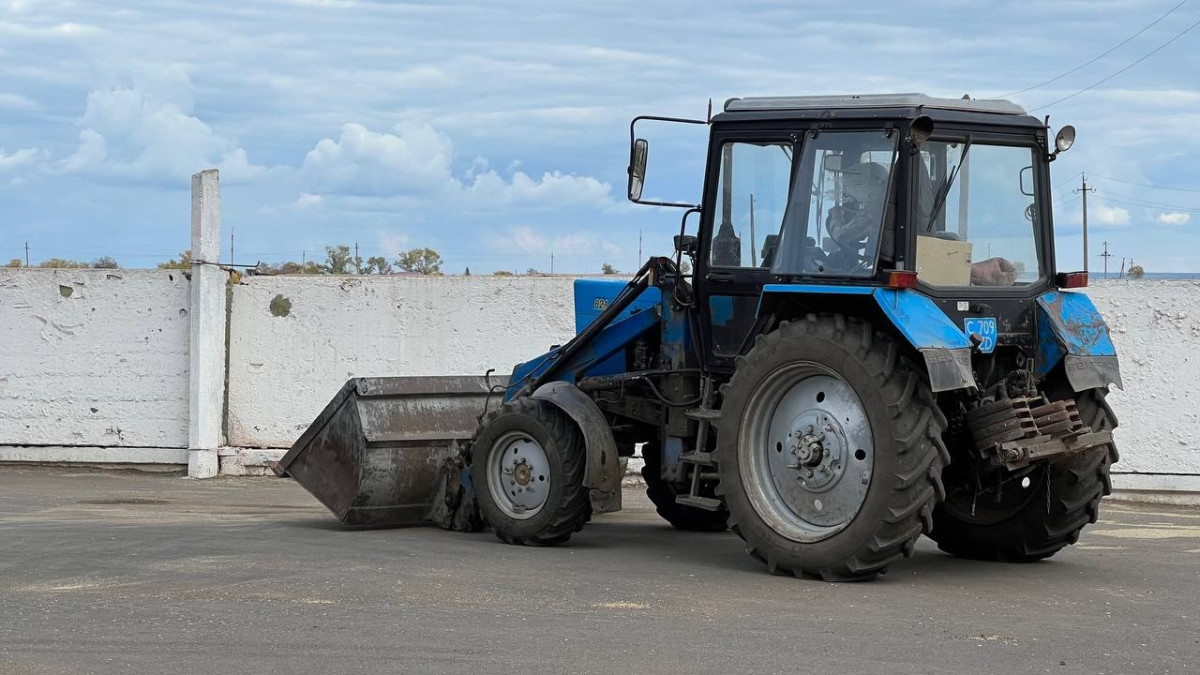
point(1042, 511)
point(527, 464)
point(830, 387)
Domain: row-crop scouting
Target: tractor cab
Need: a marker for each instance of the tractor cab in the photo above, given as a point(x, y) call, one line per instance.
point(838, 194)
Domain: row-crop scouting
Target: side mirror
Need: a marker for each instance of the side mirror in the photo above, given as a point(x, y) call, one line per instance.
point(637, 168)
point(832, 163)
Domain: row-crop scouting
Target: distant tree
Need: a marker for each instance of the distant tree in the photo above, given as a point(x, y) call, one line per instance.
point(378, 264)
point(338, 260)
point(609, 269)
point(502, 273)
point(62, 263)
point(105, 263)
point(311, 267)
point(532, 272)
point(1136, 272)
point(686, 267)
point(422, 260)
point(184, 262)
point(16, 262)
point(466, 273)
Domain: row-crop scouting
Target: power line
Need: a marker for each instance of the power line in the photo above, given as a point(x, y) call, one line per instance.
point(1133, 201)
point(1147, 185)
point(1152, 52)
point(1075, 175)
point(1120, 44)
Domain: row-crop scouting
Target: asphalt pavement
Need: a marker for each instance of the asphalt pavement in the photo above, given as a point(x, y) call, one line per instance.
point(110, 572)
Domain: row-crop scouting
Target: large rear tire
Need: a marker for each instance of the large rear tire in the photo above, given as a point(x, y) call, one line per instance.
point(527, 464)
point(1040, 511)
point(829, 449)
point(662, 493)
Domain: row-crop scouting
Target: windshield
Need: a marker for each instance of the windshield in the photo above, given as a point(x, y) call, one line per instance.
point(818, 212)
point(976, 215)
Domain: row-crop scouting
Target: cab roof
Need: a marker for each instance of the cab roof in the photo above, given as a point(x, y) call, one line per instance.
point(877, 106)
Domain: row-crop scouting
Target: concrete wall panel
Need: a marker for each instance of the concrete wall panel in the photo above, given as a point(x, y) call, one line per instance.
point(296, 340)
point(93, 358)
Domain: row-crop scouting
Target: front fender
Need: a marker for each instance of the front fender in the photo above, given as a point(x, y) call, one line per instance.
point(602, 473)
point(944, 346)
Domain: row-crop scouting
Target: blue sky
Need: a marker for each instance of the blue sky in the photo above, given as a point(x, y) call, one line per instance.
point(496, 132)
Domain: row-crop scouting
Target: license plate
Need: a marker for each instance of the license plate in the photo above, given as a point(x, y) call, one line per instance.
point(985, 328)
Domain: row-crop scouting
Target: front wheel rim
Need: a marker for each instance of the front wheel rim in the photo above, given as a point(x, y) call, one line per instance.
point(518, 475)
point(807, 452)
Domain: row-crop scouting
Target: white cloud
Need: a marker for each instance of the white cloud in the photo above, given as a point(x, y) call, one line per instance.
point(1174, 218)
point(20, 160)
point(16, 102)
point(416, 159)
point(307, 201)
point(1111, 215)
point(147, 132)
point(525, 239)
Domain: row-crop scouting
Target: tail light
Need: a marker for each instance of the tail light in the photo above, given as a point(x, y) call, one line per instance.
point(1072, 279)
point(902, 279)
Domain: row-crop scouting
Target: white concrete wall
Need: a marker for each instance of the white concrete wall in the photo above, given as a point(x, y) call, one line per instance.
point(1156, 328)
point(93, 358)
point(107, 366)
point(284, 369)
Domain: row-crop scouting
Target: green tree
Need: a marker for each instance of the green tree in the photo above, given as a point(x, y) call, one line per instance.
point(339, 261)
point(532, 272)
point(466, 273)
point(62, 263)
point(105, 263)
point(422, 260)
point(15, 262)
point(609, 269)
point(1136, 272)
point(378, 264)
point(184, 262)
point(502, 273)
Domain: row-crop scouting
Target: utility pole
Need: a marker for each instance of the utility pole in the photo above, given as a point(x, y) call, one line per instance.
point(357, 260)
point(231, 246)
point(1085, 190)
point(1106, 255)
point(303, 261)
point(27, 254)
point(1122, 274)
point(638, 262)
point(551, 261)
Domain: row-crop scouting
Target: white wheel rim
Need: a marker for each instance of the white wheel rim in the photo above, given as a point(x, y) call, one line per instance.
point(518, 474)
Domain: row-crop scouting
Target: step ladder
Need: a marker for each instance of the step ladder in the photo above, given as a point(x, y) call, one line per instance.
point(702, 462)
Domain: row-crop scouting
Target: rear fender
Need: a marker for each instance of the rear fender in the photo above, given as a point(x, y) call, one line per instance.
point(602, 473)
point(1071, 331)
point(943, 345)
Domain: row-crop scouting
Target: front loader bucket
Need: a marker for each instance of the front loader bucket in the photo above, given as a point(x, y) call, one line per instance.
point(381, 453)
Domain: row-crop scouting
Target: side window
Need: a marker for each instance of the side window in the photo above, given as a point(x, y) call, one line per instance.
point(752, 193)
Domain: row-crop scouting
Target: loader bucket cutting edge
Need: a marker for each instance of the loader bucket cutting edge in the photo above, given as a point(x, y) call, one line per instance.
point(379, 451)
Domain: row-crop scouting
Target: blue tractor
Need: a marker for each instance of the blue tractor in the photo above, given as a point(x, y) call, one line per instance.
point(864, 340)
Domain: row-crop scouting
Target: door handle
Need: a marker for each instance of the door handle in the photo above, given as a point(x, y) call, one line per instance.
point(721, 277)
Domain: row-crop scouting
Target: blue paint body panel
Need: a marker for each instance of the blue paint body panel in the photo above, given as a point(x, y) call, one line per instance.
point(608, 343)
point(917, 317)
point(592, 296)
point(919, 320)
point(1068, 323)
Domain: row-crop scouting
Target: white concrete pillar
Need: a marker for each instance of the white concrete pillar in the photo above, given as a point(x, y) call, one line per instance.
point(206, 376)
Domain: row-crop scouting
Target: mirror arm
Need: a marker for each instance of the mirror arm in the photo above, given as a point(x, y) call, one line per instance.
point(633, 139)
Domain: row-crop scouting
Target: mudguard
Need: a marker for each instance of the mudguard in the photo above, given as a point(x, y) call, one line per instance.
point(602, 473)
point(1071, 330)
point(944, 346)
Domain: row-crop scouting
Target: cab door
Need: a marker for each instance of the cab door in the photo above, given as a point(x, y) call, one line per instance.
point(743, 213)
